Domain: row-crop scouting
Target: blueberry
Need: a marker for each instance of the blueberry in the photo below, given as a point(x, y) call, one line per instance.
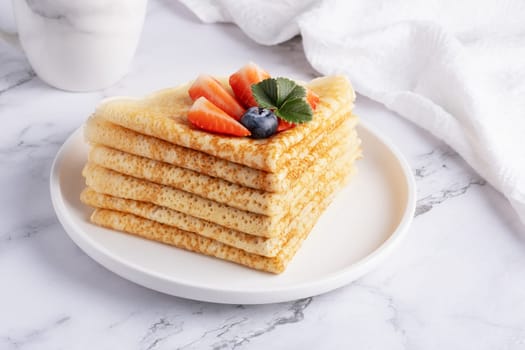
point(261, 122)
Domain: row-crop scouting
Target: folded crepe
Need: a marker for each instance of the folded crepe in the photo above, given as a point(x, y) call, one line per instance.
point(98, 131)
point(250, 201)
point(159, 232)
point(343, 141)
point(251, 243)
point(163, 115)
point(116, 184)
point(263, 246)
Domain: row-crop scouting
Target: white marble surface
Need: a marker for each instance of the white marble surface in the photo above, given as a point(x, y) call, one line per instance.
point(457, 281)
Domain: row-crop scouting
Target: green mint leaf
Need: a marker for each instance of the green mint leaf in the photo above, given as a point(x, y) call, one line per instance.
point(285, 97)
point(296, 111)
point(288, 89)
point(265, 93)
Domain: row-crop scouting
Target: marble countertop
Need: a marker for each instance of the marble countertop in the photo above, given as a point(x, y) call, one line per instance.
point(456, 282)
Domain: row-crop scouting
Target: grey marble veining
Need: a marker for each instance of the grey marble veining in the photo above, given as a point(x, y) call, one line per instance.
point(434, 171)
point(14, 68)
point(20, 341)
point(456, 282)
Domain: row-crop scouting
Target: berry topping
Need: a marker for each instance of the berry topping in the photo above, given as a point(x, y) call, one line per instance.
point(312, 99)
point(284, 125)
point(261, 122)
point(206, 86)
point(207, 116)
point(241, 83)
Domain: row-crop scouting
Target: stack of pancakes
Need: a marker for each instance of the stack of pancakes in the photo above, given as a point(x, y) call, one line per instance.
point(252, 202)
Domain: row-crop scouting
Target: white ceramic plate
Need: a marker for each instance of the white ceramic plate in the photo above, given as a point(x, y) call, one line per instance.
point(359, 230)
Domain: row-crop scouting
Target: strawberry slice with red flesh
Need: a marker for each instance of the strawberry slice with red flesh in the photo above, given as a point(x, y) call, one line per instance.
point(206, 86)
point(207, 116)
point(312, 98)
point(241, 83)
point(284, 125)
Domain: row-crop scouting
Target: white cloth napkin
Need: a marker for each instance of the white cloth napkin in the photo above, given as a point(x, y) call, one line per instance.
point(456, 68)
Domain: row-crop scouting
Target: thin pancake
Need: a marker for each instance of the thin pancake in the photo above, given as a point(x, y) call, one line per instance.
point(250, 243)
point(115, 184)
point(99, 131)
point(193, 242)
point(219, 190)
point(163, 115)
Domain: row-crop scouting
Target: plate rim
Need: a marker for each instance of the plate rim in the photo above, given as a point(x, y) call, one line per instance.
point(197, 291)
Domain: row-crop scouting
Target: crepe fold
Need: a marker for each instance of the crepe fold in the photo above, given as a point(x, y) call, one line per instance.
point(252, 202)
point(157, 231)
point(222, 191)
point(101, 132)
point(163, 115)
point(116, 184)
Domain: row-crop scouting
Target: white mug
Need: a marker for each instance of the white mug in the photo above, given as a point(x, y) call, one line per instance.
point(79, 45)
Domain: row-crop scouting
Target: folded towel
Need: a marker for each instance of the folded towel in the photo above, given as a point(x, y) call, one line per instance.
point(455, 68)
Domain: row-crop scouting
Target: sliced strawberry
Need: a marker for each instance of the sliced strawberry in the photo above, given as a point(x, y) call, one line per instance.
point(284, 125)
point(312, 98)
point(206, 86)
point(241, 83)
point(207, 116)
